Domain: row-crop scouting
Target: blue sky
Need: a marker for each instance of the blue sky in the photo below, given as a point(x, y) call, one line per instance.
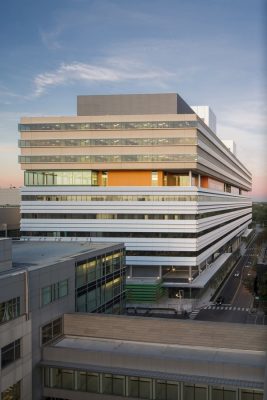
point(211, 52)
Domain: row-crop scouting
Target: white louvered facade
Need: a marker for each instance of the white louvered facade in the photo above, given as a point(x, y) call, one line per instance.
point(180, 198)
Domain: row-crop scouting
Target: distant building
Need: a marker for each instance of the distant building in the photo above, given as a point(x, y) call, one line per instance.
point(207, 115)
point(9, 212)
point(141, 169)
point(230, 144)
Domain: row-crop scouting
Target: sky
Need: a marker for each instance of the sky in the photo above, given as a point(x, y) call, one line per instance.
point(211, 52)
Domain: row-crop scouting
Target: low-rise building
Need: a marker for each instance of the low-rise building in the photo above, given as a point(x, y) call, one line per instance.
point(119, 357)
point(48, 279)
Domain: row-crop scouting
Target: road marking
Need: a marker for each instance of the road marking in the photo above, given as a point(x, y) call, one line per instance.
point(230, 308)
point(247, 309)
point(234, 308)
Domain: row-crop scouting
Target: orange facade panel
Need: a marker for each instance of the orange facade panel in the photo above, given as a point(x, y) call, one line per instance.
point(204, 182)
point(129, 178)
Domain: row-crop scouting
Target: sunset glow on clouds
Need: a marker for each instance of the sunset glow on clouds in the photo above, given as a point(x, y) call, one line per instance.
point(54, 51)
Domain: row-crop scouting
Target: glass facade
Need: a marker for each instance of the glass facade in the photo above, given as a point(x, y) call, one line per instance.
point(100, 283)
point(86, 126)
point(129, 216)
point(153, 141)
point(9, 309)
point(57, 178)
point(141, 387)
point(109, 158)
point(128, 234)
point(152, 198)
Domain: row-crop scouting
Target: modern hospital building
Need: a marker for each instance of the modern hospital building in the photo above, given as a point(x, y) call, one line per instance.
point(143, 169)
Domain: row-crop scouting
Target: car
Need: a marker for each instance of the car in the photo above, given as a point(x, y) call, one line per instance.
point(237, 274)
point(219, 300)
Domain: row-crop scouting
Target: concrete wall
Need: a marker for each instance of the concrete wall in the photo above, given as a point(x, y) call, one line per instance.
point(132, 104)
point(20, 370)
point(5, 254)
point(38, 279)
point(9, 197)
point(12, 286)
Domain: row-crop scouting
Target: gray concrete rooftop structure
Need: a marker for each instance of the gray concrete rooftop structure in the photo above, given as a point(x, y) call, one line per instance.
point(181, 350)
point(33, 254)
point(132, 104)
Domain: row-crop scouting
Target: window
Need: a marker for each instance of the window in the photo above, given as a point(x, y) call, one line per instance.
point(12, 393)
point(140, 387)
point(54, 292)
point(251, 395)
point(51, 331)
point(9, 309)
point(166, 390)
point(219, 393)
point(154, 178)
point(10, 353)
point(193, 392)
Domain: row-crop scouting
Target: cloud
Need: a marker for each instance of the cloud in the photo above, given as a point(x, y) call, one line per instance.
point(113, 70)
point(248, 115)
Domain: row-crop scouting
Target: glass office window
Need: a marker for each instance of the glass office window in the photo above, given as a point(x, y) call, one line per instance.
point(154, 178)
point(91, 271)
point(119, 385)
point(251, 395)
point(166, 390)
point(107, 383)
point(57, 178)
point(193, 392)
point(53, 292)
point(67, 377)
point(10, 353)
point(81, 274)
point(133, 385)
point(92, 382)
point(91, 301)
point(81, 303)
point(63, 288)
point(81, 381)
point(56, 377)
point(9, 309)
point(12, 393)
point(145, 388)
point(219, 393)
point(51, 330)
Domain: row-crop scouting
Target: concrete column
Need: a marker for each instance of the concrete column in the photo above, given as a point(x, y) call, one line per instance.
point(160, 271)
point(190, 274)
point(199, 180)
point(190, 178)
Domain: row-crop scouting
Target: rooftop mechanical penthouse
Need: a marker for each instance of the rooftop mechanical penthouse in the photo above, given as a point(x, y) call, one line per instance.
point(143, 169)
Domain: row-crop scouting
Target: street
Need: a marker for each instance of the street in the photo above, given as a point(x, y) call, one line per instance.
point(236, 299)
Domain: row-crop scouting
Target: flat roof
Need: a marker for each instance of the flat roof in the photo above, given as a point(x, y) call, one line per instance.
point(190, 351)
point(167, 350)
point(167, 331)
point(35, 254)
